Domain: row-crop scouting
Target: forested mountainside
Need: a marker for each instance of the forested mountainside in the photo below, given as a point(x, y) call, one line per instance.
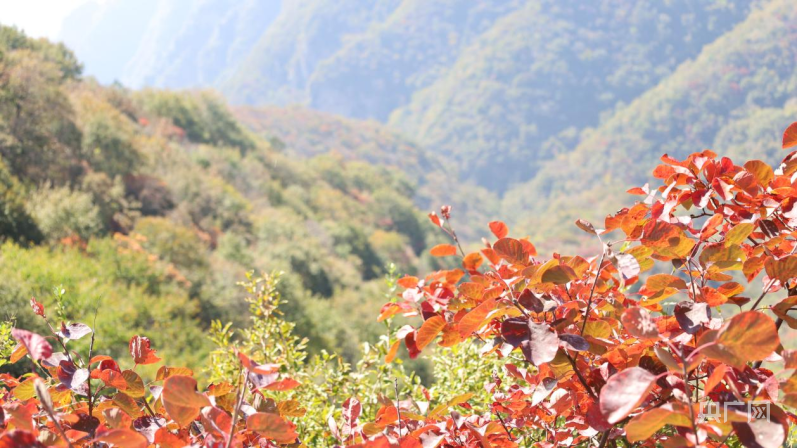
point(488, 84)
point(735, 98)
point(495, 86)
point(517, 99)
point(306, 132)
point(150, 205)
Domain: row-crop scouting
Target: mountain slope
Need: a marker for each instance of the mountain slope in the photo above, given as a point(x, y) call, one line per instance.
point(150, 205)
point(549, 68)
point(307, 133)
point(377, 71)
point(305, 33)
point(737, 93)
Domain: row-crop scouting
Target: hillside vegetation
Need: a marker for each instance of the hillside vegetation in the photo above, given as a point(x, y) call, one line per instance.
point(495, 88)
point(737, 95)
point(150, 205)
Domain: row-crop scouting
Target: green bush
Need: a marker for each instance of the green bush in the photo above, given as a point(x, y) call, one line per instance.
point(61, 212)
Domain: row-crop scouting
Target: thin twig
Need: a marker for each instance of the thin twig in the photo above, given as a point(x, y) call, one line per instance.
point(50, 412)
point(241, 392)
point(88, 366)
point(605, 438)
point(684, 362)
point(511, 439)
point(592, 291)
point(580, 376)
point(151, 412)
point(764, 293)
point(398, 405)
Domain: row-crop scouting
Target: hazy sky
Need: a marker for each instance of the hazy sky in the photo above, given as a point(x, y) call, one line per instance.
point(38, 18)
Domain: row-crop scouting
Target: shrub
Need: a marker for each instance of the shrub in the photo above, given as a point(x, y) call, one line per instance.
point(61, 212)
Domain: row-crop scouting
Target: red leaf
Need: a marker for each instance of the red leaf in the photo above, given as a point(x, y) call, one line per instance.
point(542, 346)
point(216, 421)
point(767, 432)
point(409, 341)
point(272, 426)
point(141, 352)
point(435, 219)
point(443, 250)
point(37, 307)
point(692, 315)
point(18, 438)
point(263, 369)
point(112, 378)
point(790, 136)
point(38, 348)
point(351, 412)
point(639, 323)
point(499, 229)
point(624, 391)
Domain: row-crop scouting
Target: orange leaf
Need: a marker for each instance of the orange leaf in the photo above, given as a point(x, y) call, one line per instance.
point(714, 379)
point(473, 320)
point(141, 352)
point(272, 426)
point(166, 439)
point(386, 415)
point(443, 250)
point(391, 354)
point(645, 425)
point(407, 282)
point(113, 378)
point(123, 438)
point(510, 249)
point(499, 229)
point(472, 261)
point(451, 336)
point(746, 337)
point(472, 290)
point(181, 399)
point(286, 384)
point(19, 352)
point(790, 136)
point(429, 330)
